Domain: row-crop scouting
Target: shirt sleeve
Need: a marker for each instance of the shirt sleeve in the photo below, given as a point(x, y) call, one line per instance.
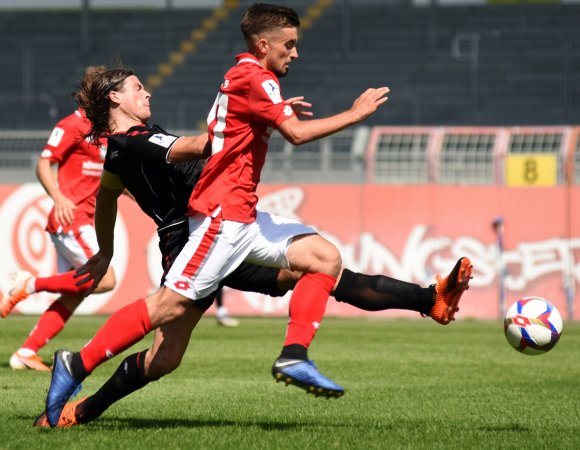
point(63, 139)
point(111, 181)
point(153, 145)
point(109, 165)
point(266, 102)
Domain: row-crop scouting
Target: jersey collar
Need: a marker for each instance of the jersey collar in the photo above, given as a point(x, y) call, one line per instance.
point(247, 57)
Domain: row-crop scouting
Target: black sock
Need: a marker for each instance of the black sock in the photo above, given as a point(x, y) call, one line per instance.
point(378, 293)
point(77, 367)
point(294, 351)
point(128, 378)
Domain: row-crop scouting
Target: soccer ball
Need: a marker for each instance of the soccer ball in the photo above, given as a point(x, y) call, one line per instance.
point(532, 325)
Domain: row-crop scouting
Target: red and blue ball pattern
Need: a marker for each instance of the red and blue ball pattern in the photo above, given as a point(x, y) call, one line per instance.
point(533, 326)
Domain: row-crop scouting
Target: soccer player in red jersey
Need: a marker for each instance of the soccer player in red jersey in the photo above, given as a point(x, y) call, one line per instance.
point(141, 159)
point(70, 225)
point(226, 228)
point(222, 238)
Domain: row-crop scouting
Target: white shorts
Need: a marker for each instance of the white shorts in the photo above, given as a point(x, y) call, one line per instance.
point(216, 247)
point(74, 247)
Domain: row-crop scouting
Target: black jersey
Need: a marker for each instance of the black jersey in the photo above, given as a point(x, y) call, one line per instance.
point(139, 158)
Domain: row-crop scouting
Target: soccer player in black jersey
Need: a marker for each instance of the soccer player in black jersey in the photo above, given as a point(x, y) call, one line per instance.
point(157, 168)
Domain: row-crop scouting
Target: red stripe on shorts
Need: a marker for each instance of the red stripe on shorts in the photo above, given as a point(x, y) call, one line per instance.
point(207, 242)
point(84, 246)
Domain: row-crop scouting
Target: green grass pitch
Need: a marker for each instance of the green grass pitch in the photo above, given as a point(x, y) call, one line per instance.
point(409, 384)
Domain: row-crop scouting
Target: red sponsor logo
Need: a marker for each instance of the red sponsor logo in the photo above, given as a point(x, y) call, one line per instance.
point(182, 285)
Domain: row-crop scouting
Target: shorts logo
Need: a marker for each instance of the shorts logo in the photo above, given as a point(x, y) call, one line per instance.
point(182, 285)
point(162, 140)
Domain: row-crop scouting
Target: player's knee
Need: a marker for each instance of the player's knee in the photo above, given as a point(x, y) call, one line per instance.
point(165, 306)
point(107, 283)
point(171, 311)
point(331, 261)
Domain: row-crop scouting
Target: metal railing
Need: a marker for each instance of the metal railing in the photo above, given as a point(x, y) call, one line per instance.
point(385, 155)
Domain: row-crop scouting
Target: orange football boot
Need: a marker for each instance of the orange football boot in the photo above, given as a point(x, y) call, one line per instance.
point(16, 294)
point(67, 419)
point(33, 362)
point(448, 291)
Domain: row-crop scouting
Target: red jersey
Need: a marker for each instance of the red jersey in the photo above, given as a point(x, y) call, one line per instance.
point(80, 165)
point(248, 107)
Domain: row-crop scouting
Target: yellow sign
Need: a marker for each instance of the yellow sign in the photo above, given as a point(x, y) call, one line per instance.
point(532, 169)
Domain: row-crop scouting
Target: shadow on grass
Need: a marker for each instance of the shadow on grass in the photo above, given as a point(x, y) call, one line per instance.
point(131, 423)
point(134, 423)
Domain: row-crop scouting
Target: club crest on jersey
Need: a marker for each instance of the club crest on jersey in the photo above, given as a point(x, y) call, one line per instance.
point(273, 91)
point(162, 140)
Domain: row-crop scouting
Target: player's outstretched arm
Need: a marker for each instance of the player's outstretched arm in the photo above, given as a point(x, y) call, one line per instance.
point(300, 132)
point(299, 106)
point(96, 267)
point(187, 148)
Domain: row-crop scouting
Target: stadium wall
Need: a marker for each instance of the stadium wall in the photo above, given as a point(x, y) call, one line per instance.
point(409, 232)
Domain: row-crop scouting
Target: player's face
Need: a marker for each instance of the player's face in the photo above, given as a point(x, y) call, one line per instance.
point(134, 100)
point(281, 50)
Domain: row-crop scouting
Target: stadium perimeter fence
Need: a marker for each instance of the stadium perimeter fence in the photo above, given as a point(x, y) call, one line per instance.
point(518, 156)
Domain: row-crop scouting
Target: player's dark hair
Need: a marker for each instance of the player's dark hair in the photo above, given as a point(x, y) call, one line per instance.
point(263, 17)
point(90, 72)
point(93, 98)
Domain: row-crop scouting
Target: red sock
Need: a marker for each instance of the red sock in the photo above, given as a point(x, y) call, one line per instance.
point(124, 328)
point(307, 306)
point(63, 283)
point(48, 326)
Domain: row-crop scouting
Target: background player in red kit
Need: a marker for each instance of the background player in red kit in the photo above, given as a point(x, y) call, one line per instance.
point(70, 225)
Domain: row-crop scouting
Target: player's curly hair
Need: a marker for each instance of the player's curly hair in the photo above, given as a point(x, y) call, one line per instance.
point(263, 17)
point(93, 98)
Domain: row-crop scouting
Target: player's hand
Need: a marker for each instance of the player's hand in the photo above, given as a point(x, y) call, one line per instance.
point(64, 210)
point(299, 106)
point(369, 101)
point(93, 270)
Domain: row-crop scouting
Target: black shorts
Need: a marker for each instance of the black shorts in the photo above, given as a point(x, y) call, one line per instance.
point(247, 277)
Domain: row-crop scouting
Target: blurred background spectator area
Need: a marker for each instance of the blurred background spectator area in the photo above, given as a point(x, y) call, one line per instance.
point(449, 63)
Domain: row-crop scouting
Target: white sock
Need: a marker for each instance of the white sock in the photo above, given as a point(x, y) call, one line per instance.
point(30, 285)
point(25, 352)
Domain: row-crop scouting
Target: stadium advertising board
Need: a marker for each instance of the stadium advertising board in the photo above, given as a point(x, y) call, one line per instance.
point(407, 232)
